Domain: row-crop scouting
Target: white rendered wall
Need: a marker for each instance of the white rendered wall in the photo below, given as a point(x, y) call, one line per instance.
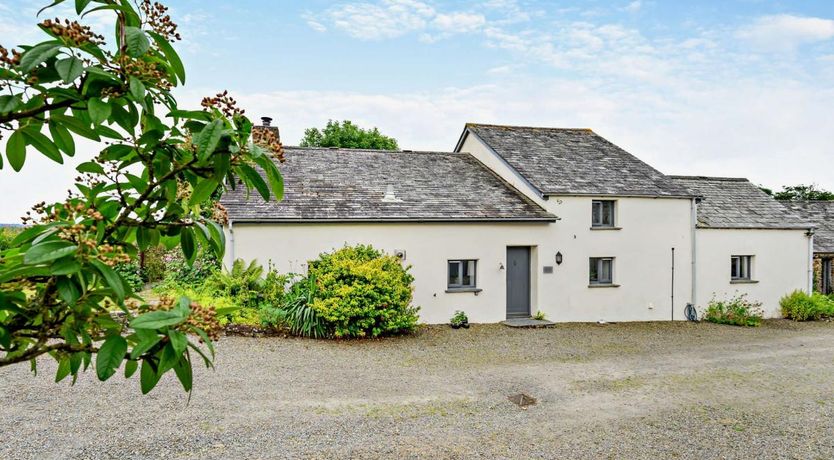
point(780, 265)
point(428, 247)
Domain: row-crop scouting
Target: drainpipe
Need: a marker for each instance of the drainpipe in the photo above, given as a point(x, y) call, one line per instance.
point(693, 220)
point(231, 245)
point(810, 262)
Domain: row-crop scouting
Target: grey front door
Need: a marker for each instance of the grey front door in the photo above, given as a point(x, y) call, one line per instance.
point(518, 281)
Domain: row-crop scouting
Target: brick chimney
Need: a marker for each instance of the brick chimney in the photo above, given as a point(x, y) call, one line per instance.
point(266, 123)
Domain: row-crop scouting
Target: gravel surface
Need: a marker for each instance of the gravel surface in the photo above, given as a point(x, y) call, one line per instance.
point(646, 390)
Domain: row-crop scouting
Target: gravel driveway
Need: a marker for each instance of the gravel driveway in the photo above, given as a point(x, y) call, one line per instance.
point(656, 390)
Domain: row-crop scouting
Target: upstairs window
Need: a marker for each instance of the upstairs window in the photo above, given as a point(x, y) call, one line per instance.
point(462, 274)
point(741, 268)
point(602, 213)
point(601, 270)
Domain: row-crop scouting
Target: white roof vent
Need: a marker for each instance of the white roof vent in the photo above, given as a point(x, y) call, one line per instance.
point(389, 196)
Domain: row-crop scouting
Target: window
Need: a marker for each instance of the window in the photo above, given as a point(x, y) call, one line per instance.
point(741, 268)
point(602, 270)
point(462, 274)
point(602, 213)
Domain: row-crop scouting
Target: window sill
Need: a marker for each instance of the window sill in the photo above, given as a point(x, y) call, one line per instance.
point(457, 290)
point(743, 281)
point(606, 228)
point(610, 285)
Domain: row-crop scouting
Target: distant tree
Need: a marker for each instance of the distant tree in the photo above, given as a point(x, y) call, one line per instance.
point(347, 135)
point(803, 193)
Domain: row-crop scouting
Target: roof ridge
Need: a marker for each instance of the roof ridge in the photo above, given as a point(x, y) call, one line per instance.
point(405, 151)
point(543, 128)
point(716, 178)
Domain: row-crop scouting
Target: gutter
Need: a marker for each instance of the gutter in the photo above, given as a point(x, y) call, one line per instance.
point(395, 220)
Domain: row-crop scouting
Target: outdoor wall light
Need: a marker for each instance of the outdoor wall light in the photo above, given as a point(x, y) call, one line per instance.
point(558, 258)
point(500, 265)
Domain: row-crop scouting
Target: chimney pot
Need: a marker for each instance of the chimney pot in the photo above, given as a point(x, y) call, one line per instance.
point(266, 121)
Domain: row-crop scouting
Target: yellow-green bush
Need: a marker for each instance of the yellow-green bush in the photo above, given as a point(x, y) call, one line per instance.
point(362, 292)
point(800, 306)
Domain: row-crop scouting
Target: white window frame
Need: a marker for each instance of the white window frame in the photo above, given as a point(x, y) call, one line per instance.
point(601, 206)
point(741, 268)
point(600, 261)
point(473, 276)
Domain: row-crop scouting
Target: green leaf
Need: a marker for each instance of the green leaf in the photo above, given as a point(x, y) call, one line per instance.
point(111, 277)
point(75, 125)
point(148, 377)
point(68, 290)
point(147, 338)
point(187, 242)
point(69, 69)
point(16, 150)
point(98, 110)
point(255, 180)
point(130, 368)
point(137, 42)
point(203, 191)
point(5, 338)
point(276, 180)
point(184, 373)
point(137, 89)
point(63, 368)
point(208, 139)
point(157, 319)
point(39, 141)
point(47, 251)
point(178, 340)
point(66, 266)
point(224, 311)
point(110, 356)
point(171, 55)
point(80, 5)
point(90, 167)
point(218, 236)
point(9, 103)
point(36, 55)
point(62, 138)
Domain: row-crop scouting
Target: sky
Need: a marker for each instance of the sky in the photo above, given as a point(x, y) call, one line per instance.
point(740, 88)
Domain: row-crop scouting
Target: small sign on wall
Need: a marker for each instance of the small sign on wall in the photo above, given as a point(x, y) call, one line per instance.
point(547, 269)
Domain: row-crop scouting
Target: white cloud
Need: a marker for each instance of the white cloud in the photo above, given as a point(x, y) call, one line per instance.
point(634, 6)
point(459, 22)
point(786, 32)
point(375, 21)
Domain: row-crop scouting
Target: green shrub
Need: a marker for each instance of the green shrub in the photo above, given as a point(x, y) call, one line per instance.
point(7, 234)
point(155, 267)
point(737, 311)
point(799, 306)
point(362, 293)
point(459, 319)
point(296, 311)
point(132, 275)
point(179, 272)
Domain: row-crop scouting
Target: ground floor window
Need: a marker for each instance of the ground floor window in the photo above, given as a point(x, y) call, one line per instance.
point(826, 287)
point(741, 268)
point(462, 274)
point(601, 270)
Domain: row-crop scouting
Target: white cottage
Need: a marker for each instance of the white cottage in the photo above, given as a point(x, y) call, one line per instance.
point(515, 221)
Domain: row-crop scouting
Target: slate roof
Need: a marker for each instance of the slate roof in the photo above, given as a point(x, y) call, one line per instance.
point(559, 161)
point(728, 202)
point(322, 184)
point(821, 214)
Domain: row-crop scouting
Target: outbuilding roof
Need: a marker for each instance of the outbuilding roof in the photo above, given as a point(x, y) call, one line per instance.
point(729, 202)
point(327, 184)
point(559, 161)
point(821, 214)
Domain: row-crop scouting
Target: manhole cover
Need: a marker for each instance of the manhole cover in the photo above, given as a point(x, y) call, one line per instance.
point(522, 400)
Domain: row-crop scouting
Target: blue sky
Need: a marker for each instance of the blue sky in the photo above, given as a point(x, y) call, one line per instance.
point(736, 88)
